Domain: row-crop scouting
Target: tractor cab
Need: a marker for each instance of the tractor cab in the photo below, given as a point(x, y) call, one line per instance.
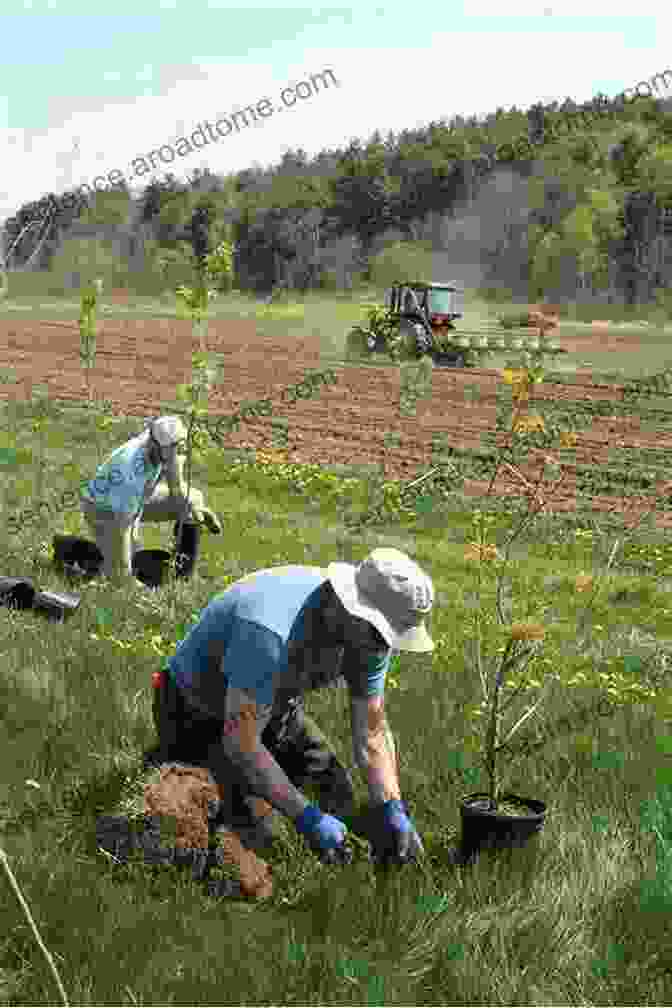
point(433, 305)
point(428, 311)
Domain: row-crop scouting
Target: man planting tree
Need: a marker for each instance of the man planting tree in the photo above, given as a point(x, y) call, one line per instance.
point(231, 697)
point(126, 490)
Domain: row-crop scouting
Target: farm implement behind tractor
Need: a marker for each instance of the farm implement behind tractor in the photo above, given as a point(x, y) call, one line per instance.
point(418, 319)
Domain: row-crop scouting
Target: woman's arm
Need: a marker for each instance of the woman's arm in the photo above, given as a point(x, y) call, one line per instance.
point(174, 473)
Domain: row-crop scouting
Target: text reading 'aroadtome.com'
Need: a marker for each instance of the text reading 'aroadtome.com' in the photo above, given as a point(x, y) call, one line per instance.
point(205, 133)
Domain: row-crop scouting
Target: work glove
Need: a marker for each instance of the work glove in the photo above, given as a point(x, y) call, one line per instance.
point(204, 516)
point(396, 840)
point(325, 835)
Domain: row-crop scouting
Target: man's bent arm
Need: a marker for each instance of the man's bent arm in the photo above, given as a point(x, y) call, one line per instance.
point(241, 742)
point(374, 749)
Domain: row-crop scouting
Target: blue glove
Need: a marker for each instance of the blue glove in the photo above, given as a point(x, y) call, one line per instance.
point(324, 833)
point(400, 841)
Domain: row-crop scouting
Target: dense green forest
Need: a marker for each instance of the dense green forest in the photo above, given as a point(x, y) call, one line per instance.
point(582, 216)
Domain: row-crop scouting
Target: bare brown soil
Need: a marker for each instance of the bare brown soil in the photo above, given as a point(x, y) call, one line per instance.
point(600, 337)
point(140, 363)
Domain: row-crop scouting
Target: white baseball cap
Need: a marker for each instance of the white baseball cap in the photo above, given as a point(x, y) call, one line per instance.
point(168, 431)
point(390, 591)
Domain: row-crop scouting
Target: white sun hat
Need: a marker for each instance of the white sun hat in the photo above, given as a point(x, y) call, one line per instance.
point(390, 591)
point(168, 431)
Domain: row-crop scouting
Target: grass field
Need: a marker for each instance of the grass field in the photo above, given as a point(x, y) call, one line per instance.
point(583, 921)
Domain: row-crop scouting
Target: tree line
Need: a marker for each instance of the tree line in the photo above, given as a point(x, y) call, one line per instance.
point(596, 199)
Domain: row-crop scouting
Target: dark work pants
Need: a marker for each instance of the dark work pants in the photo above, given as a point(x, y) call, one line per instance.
point(295, 742)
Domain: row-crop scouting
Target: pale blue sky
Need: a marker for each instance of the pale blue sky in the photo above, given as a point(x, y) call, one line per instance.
point(85, 93)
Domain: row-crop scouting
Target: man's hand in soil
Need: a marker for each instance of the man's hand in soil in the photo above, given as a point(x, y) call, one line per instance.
point(396, 840)
point(325, 834)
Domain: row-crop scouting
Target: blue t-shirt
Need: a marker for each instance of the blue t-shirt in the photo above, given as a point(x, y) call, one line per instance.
point(256, 636)
point(125, 480)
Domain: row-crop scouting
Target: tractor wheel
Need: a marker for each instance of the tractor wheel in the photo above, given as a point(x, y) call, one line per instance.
point(408, 341)
point(445, 360)
point(357, 343)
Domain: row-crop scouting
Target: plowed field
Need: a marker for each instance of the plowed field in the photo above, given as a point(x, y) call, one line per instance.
point(140, 362)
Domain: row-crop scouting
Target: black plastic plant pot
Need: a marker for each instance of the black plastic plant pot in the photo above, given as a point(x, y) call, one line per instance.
point(56, 605)
point(486, 828)
point(77, 557)
point(151, 566)
point(20, 593)
point(187, 548)
point(17, 592)
point(453, 360)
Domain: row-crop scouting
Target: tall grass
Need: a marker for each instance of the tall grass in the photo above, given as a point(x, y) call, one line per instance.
point(586, 920)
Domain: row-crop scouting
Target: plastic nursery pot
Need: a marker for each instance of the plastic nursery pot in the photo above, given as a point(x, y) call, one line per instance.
point(56, 605)
point(77, 557)
point(17, 592)
point(151, 566)
point(20, 593)
point(510, 825)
